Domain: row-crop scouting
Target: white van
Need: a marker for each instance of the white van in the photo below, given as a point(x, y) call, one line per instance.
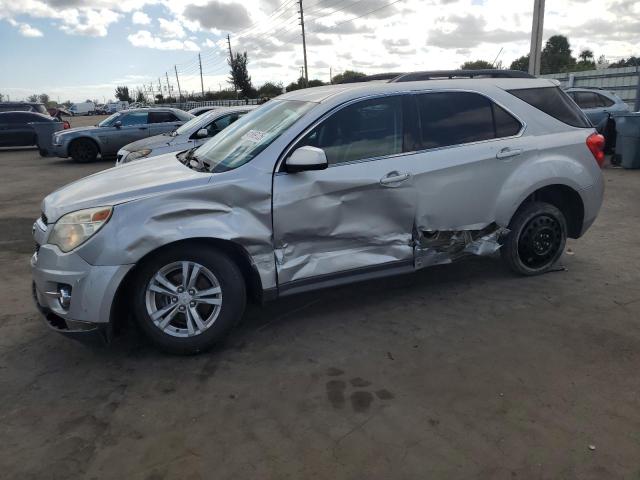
point(113, 107)
point(84, 108)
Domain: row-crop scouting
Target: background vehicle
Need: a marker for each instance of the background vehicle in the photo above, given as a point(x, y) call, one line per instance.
point(23, 107)
point(101, 109)
point(600, 105)
point(114, 107)
point(200, 110)
point(321, 187)
point(16, 131)
point(84, 144)
point(84, 108)
point(192, 134)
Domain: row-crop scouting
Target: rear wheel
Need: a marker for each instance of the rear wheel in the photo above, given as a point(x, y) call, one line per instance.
point(186, 300)
point(83, 151)
point(537, 239)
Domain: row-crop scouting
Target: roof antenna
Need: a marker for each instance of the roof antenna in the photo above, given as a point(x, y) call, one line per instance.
point(493, 64)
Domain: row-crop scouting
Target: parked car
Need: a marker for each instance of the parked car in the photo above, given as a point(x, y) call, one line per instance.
point(16, 129)
point(23, 107)
point(190, 135)
point(316, 188)
point(83, 108)
point(599, 106)
point(200, 110)
point(84, 144)
point(102, 109)
point(114, 107)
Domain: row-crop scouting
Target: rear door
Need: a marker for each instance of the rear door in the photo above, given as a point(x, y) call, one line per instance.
point(468, 146)
point(356, 215)
point(163, 122)
point(15, 130)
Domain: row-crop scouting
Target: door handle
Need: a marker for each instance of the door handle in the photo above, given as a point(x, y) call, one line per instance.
point(508, 153)
point(393, 178)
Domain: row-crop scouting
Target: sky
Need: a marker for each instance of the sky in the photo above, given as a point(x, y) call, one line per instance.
point(82, 49)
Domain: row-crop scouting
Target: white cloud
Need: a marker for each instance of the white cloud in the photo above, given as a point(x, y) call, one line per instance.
point(144, 38)
point(140, 18)
point(92, 23)
point(25, 29)
point(171, 28)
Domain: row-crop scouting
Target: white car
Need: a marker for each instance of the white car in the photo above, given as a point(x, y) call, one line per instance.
point(192, 134)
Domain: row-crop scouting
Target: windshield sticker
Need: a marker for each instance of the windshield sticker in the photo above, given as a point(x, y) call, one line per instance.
point(254, 136)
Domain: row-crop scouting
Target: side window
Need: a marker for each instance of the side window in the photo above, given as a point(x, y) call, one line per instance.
point(604, 101)
point(134, 118)
point(367, 129)
point(555, 103)
point(222, 123)
point(453, 118)
point(506, 125)
point(162, 117)
point(586, 99)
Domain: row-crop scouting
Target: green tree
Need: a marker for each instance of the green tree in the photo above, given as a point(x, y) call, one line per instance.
point(32, 98)
point(122, 93)
point(556, 55)
point(476, 65)
point(521, 63)
point(1, 97)
point(626, 62)
point(140, 98)
point(586, 55)
point(348, 76)
point(315, 83)
point(302, 83)
point(240, 78)
point(270, 89)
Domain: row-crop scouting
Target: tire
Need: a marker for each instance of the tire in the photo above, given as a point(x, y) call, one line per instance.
point(83, 151)
point(537, 237)
point(176, 331)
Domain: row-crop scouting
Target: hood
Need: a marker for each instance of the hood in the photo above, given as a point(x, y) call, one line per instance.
point(125, 183)
point(78, 130)
point(151, 143)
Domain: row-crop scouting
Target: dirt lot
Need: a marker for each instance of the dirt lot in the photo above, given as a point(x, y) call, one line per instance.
point(460, 371)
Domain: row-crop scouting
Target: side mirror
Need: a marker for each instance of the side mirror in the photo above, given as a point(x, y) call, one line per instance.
point(307, 158)
point(118, 124)
point(202, 133)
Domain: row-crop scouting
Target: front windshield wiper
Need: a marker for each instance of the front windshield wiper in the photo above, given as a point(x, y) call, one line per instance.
point(193, 162)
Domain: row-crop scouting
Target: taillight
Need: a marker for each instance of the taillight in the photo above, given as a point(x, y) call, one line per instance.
point(66, 125)
point(595, 143)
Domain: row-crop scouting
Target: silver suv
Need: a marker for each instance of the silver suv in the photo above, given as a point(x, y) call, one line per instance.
point(317, 188)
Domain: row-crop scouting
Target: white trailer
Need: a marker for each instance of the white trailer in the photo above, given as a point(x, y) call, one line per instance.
point(83, 108)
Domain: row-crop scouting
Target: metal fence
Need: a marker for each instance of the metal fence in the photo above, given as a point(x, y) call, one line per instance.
point(211, 103)
point(624, 82)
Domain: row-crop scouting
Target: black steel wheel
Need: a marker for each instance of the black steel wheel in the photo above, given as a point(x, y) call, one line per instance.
point(537, 239)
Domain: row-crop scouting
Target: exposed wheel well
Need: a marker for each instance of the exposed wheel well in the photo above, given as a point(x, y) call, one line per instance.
point(121, 305)
point(567, 200)
point(89, 139)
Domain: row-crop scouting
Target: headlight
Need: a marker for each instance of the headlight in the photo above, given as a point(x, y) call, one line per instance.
point(136, 155)
point(75, 228)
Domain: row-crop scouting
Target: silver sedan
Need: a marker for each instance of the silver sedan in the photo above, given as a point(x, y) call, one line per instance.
point(192, 134)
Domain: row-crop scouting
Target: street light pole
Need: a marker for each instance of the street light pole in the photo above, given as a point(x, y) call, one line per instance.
point(535, 52)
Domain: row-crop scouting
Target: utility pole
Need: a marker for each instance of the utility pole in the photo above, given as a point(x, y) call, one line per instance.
point(235, 87)
point(178, 82)
point(330, 76)
point(168, 86)
point(201, 82)
point(304, 44)
point(535, 52)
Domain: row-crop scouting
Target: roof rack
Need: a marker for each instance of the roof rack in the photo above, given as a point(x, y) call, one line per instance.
point(374, 77)
point(442, 74)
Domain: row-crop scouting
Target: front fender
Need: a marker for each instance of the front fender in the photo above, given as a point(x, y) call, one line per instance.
point(536, 174)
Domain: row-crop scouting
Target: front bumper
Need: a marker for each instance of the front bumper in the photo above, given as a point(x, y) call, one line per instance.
point(93, 290)
point(59, 150)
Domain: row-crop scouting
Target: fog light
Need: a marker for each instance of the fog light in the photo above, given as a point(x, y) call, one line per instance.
point(64, 297)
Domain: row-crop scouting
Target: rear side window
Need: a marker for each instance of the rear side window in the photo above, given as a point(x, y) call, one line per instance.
point(455, 118)
point(367, 129)
point(553, 102)
point(586, 99)
point(604, 101)
point(162, 117)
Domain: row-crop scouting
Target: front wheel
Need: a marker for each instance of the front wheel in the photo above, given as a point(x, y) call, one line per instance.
point(537, 239)
point(187, 300)
point(83, 151)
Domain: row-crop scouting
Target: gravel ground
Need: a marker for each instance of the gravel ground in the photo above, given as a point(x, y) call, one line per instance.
point(460, 371)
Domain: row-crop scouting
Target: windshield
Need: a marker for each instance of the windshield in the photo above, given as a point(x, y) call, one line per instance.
point(246, 138)
point(109, 120)
point(186, 127)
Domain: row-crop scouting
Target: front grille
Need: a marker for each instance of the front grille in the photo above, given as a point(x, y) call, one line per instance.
point(44, 219)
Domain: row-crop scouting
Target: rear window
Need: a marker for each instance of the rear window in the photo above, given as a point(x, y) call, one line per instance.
point(554, 102)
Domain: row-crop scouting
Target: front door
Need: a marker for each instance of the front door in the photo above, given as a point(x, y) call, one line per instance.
point(358, 214)
point(134, 126)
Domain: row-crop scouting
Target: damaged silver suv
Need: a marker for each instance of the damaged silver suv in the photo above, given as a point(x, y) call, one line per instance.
point(316, 188)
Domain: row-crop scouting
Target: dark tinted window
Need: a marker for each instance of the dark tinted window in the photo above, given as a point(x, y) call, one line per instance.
point(586, 99)
point(367, 129)
point(23, 117)
point(604, 101)
point(162, 117)
point(133, 118)
point(14, 108)
point(554, 102)
point(454, 118)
